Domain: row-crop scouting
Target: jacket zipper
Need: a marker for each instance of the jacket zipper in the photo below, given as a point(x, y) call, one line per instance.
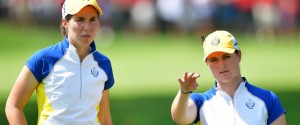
point(81, 83)
point(233, 106)
point(80, 70)
point(234, 117)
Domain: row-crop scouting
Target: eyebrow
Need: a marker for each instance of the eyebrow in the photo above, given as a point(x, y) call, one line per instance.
point(93, 17)
point(226, 54)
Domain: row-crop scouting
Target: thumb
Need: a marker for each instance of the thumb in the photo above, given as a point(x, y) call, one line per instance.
point(180, 80)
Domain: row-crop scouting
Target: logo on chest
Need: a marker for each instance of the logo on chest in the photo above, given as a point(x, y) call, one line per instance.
point(250, 104)
point(94, 72)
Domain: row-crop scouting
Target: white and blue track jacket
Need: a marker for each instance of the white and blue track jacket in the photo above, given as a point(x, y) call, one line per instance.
point(69, 91)
point(250, 106)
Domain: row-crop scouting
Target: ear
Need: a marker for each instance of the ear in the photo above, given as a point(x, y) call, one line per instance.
point(240, 55)
point(64, 23)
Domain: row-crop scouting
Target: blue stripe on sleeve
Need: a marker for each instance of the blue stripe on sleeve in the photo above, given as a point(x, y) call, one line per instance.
point(200, 98)
point(42, 61)
point(274, 107)
point(105, 64)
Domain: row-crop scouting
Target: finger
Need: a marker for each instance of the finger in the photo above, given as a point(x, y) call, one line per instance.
point(180, 81)
point(191, 75)
point(195, 76)
point(185, 75)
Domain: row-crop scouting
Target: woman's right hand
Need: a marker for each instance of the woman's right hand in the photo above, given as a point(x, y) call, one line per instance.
point(188, 83)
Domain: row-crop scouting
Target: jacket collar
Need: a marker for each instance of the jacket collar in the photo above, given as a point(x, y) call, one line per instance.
point(66, 43)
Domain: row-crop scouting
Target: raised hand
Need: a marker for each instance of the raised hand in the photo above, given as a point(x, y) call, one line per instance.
point(188, 83)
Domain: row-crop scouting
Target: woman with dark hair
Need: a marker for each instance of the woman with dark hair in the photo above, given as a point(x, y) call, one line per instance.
point(71, 78)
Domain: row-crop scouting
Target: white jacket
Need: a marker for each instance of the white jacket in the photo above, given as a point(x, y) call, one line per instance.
point(69, 91)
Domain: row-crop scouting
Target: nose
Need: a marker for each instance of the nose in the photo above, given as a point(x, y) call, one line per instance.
point(222, 63)
point(87, 26)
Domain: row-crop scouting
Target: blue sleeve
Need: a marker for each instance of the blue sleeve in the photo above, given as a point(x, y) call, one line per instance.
point(33, 64)
point(110, 81)
point(105, 64)
point(272, 102)
point(198, 100)
point(275, 109)
point(41, 63)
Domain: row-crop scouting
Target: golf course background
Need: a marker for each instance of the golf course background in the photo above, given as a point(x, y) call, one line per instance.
point(146, 68)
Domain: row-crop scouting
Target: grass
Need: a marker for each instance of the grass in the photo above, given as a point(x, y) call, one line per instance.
point(146, 68)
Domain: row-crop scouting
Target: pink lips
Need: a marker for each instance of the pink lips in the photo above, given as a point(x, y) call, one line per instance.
point(224, 71)
point(86, 35)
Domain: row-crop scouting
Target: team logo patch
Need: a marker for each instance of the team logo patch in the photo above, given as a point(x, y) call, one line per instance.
point(94, 72)
point(215, 41)
point(250, 104)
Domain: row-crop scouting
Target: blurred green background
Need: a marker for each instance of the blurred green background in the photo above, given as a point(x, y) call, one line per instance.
point(146, 68)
